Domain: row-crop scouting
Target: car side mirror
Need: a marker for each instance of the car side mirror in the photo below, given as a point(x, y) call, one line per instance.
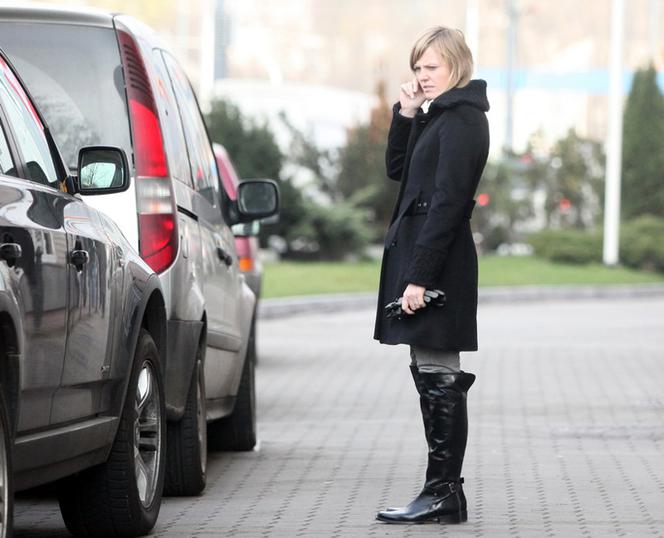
point(257, 199)
point(102, 170)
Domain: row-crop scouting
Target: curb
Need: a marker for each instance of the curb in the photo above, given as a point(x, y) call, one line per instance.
point(288, 306)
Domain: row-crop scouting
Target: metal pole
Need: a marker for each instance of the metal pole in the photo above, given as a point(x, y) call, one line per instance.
point(206, 52)
point(614, 142)
point(512, 15)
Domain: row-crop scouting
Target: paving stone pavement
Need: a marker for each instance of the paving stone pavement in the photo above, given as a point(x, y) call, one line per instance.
point(566, 431)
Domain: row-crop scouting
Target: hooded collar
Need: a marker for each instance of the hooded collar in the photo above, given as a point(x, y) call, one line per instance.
point(473, 94)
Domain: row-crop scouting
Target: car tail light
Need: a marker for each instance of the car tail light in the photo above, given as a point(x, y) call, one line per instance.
point(157, 224)
point(246, 264)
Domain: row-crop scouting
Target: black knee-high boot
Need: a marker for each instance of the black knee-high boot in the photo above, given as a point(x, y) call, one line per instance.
point(424, 405)
point(444, 413)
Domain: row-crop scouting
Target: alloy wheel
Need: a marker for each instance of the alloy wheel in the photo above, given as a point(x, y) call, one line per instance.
point(147, 434)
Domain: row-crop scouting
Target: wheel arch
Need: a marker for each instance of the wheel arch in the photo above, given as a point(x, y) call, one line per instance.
point(148, 313)
point(154, 321)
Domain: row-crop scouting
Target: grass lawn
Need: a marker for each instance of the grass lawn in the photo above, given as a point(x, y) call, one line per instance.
point(311, 278)
point(519, 271)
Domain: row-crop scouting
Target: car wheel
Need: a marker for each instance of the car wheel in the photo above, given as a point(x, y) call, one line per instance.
point(186, 454)
point(238, 430)
point(7, 499)
point(122, 496)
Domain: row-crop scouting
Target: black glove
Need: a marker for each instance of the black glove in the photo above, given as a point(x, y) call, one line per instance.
point(431, 297)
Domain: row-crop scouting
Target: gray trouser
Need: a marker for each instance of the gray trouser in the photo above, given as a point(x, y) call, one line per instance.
point(427, 359)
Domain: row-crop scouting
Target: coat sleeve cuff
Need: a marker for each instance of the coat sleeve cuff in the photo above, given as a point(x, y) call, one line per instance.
point(426, 266)
point(400, 124)
point(396, 112)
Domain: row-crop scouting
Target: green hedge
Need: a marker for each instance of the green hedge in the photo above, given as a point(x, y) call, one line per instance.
point(641, 244)
point(567, 246)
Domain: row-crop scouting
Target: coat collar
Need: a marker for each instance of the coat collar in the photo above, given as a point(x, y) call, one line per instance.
point(473, 94)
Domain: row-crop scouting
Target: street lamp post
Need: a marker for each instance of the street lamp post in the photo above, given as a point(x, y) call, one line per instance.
point(206, 52)
point(512, 20)
point(614, 142)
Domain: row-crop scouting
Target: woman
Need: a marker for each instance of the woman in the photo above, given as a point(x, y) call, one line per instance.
point(439, 157)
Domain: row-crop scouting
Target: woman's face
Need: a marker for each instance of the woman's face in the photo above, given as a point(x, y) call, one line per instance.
point(433, 73)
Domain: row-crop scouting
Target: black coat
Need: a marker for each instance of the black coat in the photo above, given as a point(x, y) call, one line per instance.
point(439, 158)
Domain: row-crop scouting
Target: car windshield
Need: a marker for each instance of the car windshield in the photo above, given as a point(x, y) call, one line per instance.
point(74, 75)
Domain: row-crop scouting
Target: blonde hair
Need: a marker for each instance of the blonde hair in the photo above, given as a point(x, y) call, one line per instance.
point(451, 45)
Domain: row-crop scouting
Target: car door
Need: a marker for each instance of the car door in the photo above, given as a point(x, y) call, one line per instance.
point(34, 248)
point(219, 266)
point(84, 387)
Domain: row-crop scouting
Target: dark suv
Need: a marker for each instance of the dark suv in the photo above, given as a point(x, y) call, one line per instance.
point(96, 74)
point(82, 335)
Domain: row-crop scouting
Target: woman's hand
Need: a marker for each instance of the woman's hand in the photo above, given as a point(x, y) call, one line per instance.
point(411, 98)
point(413, 298)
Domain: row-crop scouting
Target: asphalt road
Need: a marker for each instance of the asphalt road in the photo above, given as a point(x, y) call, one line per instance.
point(566, 431)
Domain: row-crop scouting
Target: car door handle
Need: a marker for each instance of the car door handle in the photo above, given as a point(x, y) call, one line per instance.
point(224, 256)
point(10, 252)
point(79, 258)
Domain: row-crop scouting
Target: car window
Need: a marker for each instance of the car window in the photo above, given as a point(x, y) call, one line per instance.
point(27, 128)
point(201, 158)
point(75, 77)
point(178, 164)
point(7, 166)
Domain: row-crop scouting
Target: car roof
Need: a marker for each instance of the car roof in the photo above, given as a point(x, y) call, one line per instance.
point(56, 14)
point(84, 16)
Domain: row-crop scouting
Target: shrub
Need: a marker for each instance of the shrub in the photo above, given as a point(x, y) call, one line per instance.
point(340, 230)
point(567, 246)
point(642, 243)
point(328, 233)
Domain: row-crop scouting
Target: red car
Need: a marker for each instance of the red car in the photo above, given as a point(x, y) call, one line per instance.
point(246, 242)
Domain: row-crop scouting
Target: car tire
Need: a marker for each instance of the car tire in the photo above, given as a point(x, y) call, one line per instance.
point(238, 431)
point(251, 347)
point(6, 490)
point(122, 496)
point(186, 452)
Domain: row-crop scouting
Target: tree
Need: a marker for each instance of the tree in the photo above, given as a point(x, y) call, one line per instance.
point(362, 179)
point(308, 229)
point(643, 147)
point(504, 200)
point(573, 183)
point(523, 191)
point(252, 147)
point(320, 163)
